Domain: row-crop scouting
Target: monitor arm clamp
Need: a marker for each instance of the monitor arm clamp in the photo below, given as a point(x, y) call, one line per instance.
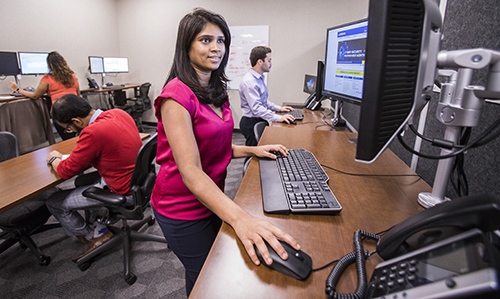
point(460, 106)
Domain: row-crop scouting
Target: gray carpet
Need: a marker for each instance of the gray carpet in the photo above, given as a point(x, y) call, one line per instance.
point(159, 273)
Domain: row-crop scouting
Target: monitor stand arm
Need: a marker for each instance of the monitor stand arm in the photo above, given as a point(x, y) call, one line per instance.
point(460, 106)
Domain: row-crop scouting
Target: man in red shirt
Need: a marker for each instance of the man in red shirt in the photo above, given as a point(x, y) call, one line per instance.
point(109, 141)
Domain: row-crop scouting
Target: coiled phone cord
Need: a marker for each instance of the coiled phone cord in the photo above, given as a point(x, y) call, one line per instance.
point(358, 256)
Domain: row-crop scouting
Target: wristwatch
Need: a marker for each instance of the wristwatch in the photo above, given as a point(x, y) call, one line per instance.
point(52, 159)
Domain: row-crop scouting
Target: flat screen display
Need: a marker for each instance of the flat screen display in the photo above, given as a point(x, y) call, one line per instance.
point(115, 64)
point(8, 64)
point(310, 84)
point(33, 63)
point(96, 65)
point(345, 61)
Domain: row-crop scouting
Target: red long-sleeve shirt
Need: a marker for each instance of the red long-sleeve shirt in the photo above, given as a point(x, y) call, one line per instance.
point(110, 144)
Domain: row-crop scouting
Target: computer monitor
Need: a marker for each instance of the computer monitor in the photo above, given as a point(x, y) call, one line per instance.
point(8, 64)
point(345, 61)
point(309, 84)
point(115, 64)
point(33, 63)
point(400, 68)
point(96, 65)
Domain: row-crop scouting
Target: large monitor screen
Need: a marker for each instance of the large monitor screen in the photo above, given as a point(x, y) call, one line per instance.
point(8, 64)
point(115, 64)
point(96, 65)
point(345, 61)
point(33, 63)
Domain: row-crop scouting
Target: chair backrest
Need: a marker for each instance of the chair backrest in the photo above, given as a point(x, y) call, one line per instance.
point(143, 96)
point(258, 129)
point(144, 175)
point(8, 146)
point(120, 98)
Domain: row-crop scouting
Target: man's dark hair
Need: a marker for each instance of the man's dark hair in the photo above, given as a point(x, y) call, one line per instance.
point(189, 27)
point(70, 106)
point(259, 52)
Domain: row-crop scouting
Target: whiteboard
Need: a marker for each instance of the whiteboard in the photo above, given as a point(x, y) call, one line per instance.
point(243, 40)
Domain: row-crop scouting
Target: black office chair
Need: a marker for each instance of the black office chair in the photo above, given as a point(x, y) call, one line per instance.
point(26, 219)
point(113, 208)
point(141, 103)
point(258, 129)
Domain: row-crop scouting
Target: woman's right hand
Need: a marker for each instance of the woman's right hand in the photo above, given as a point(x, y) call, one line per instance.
point(252, 230)
point(13, 86)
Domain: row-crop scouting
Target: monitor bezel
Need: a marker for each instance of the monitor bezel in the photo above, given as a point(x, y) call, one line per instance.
point(115, 72)
point(329, 93)
point(21, 65)
point(90, 65)
point(17, 65)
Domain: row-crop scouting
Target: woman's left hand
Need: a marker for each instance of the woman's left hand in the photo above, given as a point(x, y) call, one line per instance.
point(265, 151)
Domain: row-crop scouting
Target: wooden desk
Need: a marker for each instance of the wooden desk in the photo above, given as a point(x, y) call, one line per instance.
point(103, 90)
point(4, 98)
point(372, 204)
point(29, 175)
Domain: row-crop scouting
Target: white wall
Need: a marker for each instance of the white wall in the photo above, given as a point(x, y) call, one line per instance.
point(145, 32)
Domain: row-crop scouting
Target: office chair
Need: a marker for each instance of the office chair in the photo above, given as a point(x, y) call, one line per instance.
point(120, 99)
point(112, 208)
point(258, 129)
point(142, 103)
point(26, 219)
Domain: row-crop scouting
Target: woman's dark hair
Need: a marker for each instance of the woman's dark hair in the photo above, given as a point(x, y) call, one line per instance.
point(59, 69)
point(189, 27)
point(70, 106)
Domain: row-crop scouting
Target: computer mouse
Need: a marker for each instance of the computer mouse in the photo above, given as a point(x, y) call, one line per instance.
point(298, 264)
point(293, 122)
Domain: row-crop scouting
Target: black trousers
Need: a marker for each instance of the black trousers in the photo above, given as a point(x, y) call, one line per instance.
point(246, 128)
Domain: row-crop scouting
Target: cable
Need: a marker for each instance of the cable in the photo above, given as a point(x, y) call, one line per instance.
point(363, 238)
point(481, 140)
point(359, 256)
point(363, 174)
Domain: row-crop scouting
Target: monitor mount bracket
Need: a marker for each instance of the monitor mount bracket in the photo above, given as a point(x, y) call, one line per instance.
point(460, 106)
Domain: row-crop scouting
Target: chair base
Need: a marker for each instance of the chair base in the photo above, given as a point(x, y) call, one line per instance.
point(125, 235)
point(25, 240)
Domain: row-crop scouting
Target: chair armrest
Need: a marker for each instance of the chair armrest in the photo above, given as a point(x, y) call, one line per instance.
point(105, 196)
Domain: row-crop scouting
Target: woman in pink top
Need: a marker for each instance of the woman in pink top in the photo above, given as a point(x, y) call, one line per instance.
point(60, 81)
point(195, 128)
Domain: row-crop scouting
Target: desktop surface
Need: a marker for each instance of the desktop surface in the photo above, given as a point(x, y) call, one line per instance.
point(372, 204)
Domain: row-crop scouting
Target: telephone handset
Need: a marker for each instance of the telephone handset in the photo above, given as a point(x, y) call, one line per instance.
point(418, 237)
point(312, 103)
point(440, 222)
point(92, 83)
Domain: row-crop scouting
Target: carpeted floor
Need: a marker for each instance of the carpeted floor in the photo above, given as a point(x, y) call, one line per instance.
point(159, 273)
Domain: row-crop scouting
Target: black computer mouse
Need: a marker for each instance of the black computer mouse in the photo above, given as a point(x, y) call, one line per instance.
point(293, 122)
point(298, 264)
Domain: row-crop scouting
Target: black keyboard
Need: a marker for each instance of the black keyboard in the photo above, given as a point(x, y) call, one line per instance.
point(296, 183)
point(298, 114)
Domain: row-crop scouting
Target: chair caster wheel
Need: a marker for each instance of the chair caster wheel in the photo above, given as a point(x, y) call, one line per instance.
point(130, 279)
point(45, 261)
point(85, 266)
point(151, 222)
